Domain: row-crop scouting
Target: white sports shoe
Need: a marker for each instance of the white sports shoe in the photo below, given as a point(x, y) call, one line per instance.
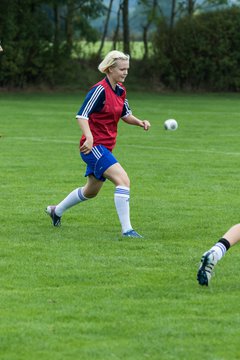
point(205, 271)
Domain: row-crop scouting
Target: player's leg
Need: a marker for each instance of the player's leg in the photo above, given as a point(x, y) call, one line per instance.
point(215, 253)
point(119, 177)
point(233, 235)
point(90, 190)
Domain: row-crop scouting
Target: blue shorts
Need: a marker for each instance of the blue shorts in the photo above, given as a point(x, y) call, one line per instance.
point(98, 161)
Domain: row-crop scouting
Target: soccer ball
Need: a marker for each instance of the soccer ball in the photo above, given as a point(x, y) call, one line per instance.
point(170, 124)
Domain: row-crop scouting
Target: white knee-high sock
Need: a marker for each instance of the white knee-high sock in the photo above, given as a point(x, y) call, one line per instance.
point(75, 197)
point(121, 199)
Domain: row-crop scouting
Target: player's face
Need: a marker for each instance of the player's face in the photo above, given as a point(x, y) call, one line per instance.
point(120, 71)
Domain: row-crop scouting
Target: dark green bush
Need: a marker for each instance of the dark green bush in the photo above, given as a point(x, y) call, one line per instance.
point(202, 51)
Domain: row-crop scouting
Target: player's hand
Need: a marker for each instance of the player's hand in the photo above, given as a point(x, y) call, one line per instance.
point(86, 147)
point(146, 125)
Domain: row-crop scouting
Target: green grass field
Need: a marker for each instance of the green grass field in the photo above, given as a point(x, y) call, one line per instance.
point(83, 292)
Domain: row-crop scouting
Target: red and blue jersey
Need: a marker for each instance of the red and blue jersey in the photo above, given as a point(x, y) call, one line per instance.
point(103, 107)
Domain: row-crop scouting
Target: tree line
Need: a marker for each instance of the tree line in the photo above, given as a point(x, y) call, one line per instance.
point(194, 44)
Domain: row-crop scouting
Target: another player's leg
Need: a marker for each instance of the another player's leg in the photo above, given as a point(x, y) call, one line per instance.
point(212, 256)
point(77, 196)
point(119, 177)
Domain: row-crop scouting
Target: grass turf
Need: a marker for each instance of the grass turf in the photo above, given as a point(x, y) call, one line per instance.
point(83, 292)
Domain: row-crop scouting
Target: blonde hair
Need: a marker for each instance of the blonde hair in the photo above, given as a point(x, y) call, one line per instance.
point(111, 59)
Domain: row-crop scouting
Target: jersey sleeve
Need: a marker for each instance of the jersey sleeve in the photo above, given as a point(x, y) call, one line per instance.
point(126, 109)
point(94, 102)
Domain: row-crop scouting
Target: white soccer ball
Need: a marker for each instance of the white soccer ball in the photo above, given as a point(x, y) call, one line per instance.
point(170, 124)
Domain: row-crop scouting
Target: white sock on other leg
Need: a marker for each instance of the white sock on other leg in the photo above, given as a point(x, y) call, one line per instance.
point(121, 200)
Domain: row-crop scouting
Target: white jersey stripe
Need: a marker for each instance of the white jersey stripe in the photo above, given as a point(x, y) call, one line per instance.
point(93, 98)
point(91, 101)
point(127, 108)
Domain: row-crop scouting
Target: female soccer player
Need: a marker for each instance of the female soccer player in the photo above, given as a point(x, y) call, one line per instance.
point(213, 255)
point(98, 118)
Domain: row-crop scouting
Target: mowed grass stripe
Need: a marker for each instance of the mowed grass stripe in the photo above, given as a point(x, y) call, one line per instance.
point(177, 149)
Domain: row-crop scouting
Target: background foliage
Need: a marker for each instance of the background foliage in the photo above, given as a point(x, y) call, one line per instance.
point(201, 51)
point(47, 43)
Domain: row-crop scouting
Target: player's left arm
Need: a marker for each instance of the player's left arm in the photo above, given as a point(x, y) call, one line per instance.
point(133, 120)
point(129, 118)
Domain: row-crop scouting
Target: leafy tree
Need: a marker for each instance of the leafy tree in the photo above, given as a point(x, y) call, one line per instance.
point(181, 8)
point(126, 35)
point(150, 9)
point(116, 32)
point(38, 38)
point(104, 34)
point(173, 13)
point(190, 7)
point(25, 33)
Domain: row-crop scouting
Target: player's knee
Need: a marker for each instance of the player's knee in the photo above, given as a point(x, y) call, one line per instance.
point(124, 181)
point(90, 193)
point(127, 183)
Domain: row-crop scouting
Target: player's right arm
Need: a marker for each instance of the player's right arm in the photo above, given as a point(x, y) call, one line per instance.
point(88, 143)
point(93, 102)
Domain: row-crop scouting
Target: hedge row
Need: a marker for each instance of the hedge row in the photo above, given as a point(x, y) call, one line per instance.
point(200, 52)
